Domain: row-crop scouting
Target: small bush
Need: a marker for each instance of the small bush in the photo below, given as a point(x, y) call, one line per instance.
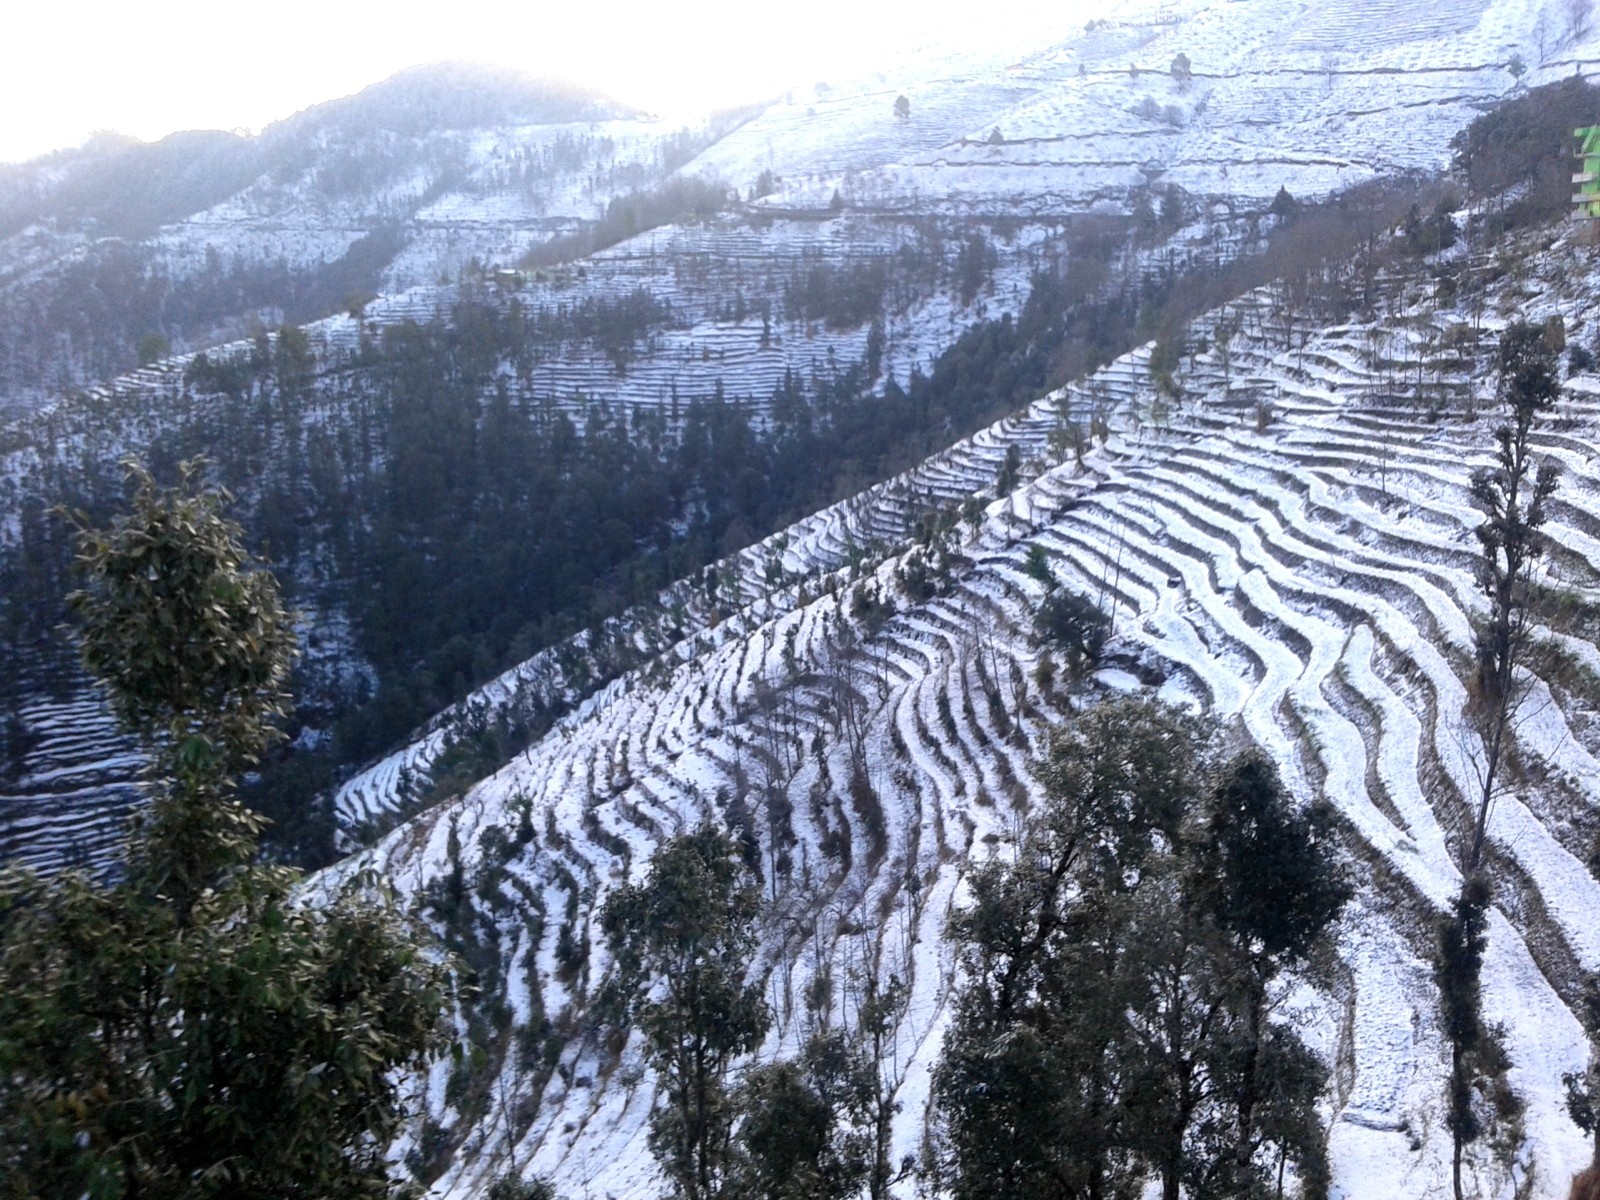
point(513, 1187)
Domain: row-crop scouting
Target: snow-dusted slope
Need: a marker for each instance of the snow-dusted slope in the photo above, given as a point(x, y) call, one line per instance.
point(1280, 93)
point(1311, 579)
point(1290, 550)
point(1065, 119)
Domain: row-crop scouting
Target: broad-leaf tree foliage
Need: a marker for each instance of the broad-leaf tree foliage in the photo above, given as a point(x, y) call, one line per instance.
point(192, 1029)
point(1115, 1026)
point(1583, 1087)
point(194, 648)
point(681, 940)
point(1073, 624)
point(1027, 1083)
point(798, 1136)
point(1516, 154)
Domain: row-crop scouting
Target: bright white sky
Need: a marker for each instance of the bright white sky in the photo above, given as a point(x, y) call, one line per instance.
point(70, 67)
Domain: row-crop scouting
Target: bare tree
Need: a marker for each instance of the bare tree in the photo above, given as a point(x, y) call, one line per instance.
point(1578, 14)
point(1512, 496)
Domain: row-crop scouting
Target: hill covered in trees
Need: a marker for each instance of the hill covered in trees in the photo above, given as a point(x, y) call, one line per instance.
point(817, 507)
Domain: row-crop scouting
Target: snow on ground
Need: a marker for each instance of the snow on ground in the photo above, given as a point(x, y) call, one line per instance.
point(1311, 579)
point(1279, 94)
point(1308, 579)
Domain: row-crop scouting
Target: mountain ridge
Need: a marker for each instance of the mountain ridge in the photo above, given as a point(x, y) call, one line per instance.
point(1247, 629)
point(1269, 501)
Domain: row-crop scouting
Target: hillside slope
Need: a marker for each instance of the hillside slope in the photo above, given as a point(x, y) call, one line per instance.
point(1290, 550)
point(441, 173)
point(421, 176)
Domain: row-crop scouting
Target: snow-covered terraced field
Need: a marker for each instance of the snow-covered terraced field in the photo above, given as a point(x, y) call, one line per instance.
point(1305, 572)
point(1289, 548)
point(1039, 122)
point(78, 790)
point(1312, 97)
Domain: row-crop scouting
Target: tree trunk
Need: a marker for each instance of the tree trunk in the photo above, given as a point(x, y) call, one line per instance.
point(1247, 1086)
point(1458, 1145)
point(1169, 1178)
point(1097, 1166)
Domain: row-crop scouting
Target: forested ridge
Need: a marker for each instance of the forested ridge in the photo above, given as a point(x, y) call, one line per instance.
point(464, 530)
point(418, 485)
point(899, 857)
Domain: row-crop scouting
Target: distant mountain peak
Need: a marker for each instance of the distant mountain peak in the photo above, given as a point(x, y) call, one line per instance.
point(457, 94)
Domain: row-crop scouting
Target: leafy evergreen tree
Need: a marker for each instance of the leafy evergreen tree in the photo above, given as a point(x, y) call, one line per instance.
point(681, 940)
point(1462, 938)
point(1269, 879)
point(512, 1187)
point(1284, 206)
point(193, 1030)
point(1272, 879)
point(1115, 1024)
point(1073, 624)
point(1583, 1088)
point(1030, 1085)
point(1512, 496)
point(795, 1140)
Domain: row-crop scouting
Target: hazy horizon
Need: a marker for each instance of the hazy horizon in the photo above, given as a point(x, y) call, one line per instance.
point(182, 64)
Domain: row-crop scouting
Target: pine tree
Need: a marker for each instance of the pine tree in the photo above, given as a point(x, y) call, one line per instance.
point(1009, 473)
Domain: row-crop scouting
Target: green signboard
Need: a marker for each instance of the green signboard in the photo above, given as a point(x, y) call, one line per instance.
point(1588, 179)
